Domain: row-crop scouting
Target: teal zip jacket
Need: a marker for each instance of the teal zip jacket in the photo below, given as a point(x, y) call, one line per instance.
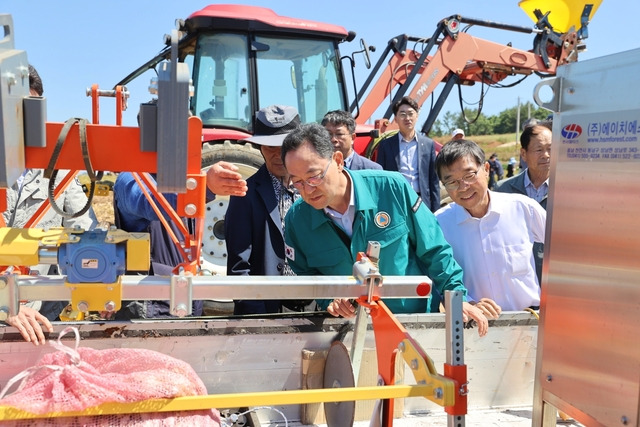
point(387, 211)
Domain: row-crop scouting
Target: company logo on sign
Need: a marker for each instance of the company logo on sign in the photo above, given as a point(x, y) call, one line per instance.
point(571, 131)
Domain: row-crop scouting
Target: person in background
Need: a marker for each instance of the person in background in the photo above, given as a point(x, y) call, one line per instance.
point(254, 224)
point(412, 154)
point(492, 234)
point(535, 141)
point(133, 213)
point(496, 172)
point(457, 134)
point(24, 198)
point(342, 129)
point(342, 210)
point(511, 166)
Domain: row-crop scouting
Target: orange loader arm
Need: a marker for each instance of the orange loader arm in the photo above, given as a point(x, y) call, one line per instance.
point(460, 58)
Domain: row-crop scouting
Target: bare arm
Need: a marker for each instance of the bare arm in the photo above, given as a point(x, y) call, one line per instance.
point(224, 180)
point(489, 308)
point(472, 312)
point(30, 323)
point(341, 308)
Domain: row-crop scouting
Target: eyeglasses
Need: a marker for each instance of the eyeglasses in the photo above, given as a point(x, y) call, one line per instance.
point(468, 179)
point(314, 181)
point(337, 135)
point(408, 114)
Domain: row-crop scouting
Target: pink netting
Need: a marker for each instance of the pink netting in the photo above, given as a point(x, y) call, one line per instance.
point(74, 380)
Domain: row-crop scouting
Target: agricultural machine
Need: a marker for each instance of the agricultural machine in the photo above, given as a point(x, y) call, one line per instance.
point(240, 58)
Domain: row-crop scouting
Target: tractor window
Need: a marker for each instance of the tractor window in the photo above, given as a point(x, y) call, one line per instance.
point(221, 79)
point(300, 73)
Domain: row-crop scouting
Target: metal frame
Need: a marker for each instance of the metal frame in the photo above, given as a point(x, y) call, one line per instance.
point(588, 359)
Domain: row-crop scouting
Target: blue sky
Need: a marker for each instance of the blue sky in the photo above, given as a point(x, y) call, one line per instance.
point(74, 44)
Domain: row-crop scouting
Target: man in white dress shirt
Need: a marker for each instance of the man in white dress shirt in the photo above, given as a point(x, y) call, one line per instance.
point(491, 233)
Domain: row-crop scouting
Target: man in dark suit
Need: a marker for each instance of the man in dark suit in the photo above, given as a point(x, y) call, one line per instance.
point(342, 129)
point(412, 154)
point(254, 223)
point(535, 142)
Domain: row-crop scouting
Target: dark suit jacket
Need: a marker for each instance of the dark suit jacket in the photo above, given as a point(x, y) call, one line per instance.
point(255, 244)
point(515, 184)
point(360, 162)
point(389, 159)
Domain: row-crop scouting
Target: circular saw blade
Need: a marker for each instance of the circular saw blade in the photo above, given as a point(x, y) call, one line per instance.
point(339, 373)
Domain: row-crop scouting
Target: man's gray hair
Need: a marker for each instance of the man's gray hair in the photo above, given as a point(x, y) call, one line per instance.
point(314, 134)
point(458, 149)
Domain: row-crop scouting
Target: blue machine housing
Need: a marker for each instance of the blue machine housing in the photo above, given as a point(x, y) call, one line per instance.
point(91, 259)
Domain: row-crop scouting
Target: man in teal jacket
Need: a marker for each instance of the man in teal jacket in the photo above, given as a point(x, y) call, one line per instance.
point(342, 211)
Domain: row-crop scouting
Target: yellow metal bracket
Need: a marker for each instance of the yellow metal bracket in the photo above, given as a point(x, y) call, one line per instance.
point(95, 296)
point(443, 390)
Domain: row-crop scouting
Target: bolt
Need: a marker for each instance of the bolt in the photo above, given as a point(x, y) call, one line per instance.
point(549, 378)
point(215, 219)
point(83, 306)
point(181, 282)
point(10, 78)
point(401, 347)
point(110, 239)
point(210, 227)
point(192, 184)
point(4, 313)
point(3, 282)
point(437, 393)
point(414, 364)
point(180, 310)
point(24, 71)
point(624, 420)
point(110, 306)
point(190, 209)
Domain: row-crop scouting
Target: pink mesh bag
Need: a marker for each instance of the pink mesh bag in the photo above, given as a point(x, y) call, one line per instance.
point(81, 378)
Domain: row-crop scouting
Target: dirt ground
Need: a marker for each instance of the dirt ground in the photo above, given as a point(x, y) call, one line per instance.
point(103, 208)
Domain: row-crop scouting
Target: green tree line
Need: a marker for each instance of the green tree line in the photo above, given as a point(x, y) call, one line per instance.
point(501, 123)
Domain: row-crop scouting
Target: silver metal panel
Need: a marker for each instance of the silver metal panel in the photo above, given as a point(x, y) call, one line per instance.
point(265, 354)
point(14, 86)
point(172, 115)
point(589, 351)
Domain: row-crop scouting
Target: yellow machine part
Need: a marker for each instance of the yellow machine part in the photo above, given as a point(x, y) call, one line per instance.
point(138, 248)
point(19, 246)
point(95, 297)
point(563, 15)
point(138, 252)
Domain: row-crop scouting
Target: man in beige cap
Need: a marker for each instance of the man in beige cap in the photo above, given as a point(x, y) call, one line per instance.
point(254, 224)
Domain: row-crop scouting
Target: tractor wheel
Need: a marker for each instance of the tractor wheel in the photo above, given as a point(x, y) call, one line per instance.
point(248, 159)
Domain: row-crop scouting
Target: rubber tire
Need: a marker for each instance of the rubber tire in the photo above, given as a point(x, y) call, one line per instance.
point(248, 159)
